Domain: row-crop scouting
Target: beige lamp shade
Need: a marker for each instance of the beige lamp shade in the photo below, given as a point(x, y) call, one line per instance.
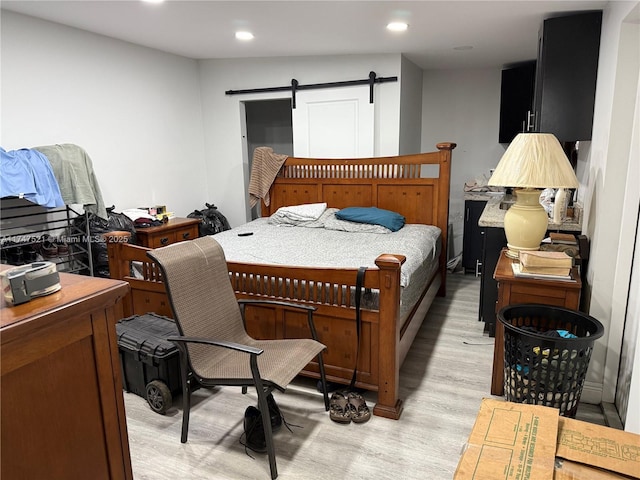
point(534, 160)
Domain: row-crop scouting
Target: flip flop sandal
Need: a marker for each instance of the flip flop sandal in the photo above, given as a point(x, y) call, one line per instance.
point(358, 408)
point(339, 408)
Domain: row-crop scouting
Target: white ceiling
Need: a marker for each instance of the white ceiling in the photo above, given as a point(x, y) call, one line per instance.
point(500, 32)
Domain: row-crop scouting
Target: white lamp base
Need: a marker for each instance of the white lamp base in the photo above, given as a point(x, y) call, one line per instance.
point(525, 223)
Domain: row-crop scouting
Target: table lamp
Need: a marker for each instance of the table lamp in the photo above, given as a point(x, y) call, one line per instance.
point(532, 162)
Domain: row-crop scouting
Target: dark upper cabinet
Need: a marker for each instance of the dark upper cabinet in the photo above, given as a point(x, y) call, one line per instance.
point(516, 100)
point(566, 74)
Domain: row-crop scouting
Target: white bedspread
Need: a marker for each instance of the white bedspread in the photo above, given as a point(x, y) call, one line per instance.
point(319, 247)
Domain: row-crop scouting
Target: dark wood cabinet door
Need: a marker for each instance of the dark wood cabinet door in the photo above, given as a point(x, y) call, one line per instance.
point(516, 100)
point(566, 75)
point(472, 239)
point(494, 241)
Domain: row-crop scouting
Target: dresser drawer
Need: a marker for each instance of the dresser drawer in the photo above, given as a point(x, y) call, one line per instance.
point(161, 239)
point(175, 230)
point(188, 233)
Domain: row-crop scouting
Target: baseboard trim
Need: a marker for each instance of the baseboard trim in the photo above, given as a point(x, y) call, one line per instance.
point(611, 416)
point(592, 393)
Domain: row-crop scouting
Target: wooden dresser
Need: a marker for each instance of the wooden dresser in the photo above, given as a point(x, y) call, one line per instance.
point(513, 290)
point(175, 230)
point(62, 408)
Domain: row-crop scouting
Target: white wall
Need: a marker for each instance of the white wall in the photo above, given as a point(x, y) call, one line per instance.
point(463, 106)
point(136, 111)
point(628, 398)
point(606, 192)
point(226, 160)
point(411, 109)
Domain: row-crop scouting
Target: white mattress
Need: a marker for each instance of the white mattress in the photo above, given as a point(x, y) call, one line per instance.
point(319, 247)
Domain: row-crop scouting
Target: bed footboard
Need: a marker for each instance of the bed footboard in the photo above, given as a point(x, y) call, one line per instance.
point(331, 291)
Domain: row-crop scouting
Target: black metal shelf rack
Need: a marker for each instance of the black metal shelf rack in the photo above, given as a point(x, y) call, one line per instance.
point(25, 226)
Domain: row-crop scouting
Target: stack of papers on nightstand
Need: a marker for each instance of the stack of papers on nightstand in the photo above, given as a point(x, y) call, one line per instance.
point(556, 264)
point(517, 271)
point(563, 238)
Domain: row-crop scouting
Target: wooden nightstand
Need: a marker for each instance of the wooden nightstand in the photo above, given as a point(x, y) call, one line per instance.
point(175, 230)
point(513, 290)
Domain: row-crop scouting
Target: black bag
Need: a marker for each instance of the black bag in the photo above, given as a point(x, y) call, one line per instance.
point(97, 227)
point(212, 221)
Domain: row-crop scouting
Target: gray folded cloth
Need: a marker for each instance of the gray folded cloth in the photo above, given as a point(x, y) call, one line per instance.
point(73, 170)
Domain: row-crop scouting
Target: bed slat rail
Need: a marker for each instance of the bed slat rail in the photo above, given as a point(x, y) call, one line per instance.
point(407, 167)
point(334, 287)
point(352, 171)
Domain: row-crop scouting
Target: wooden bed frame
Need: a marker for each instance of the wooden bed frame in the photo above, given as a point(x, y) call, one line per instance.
point(397, 183)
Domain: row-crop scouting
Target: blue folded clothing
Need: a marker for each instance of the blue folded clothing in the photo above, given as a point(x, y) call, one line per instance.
point(27, 173)
point(372, 215)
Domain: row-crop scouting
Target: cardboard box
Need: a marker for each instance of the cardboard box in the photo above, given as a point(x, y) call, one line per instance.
point(514, 441)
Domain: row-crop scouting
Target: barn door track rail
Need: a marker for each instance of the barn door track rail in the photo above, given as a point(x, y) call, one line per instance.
point(295, 86)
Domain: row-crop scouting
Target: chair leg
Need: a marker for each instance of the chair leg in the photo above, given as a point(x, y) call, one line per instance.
point(323, 379)
point(266, 417)
point(186, 391)
point(268, 432)
point(186, 407)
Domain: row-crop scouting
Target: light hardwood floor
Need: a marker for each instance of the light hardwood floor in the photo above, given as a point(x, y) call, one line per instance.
point(446, 374)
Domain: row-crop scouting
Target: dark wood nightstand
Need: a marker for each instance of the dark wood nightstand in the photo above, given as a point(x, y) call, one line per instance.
point(175, 230)
point(513, 290)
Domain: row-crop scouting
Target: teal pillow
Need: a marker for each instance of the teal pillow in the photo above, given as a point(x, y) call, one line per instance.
point(372, 215)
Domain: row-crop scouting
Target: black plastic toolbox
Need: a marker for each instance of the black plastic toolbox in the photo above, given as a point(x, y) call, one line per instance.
point(150, 364)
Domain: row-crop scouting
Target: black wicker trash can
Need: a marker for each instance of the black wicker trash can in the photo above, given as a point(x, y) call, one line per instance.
point(546, 354)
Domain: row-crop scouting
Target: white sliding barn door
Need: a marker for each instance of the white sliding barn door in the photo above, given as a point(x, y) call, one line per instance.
point(333, 123)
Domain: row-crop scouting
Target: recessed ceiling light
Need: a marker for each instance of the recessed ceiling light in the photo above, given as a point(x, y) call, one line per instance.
point(153, 1)
point(244, 35)
point(397, 26)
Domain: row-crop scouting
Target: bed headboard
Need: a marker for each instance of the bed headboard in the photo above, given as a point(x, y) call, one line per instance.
point(417, 186)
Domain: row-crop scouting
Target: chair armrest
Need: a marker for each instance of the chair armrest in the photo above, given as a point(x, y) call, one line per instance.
point(308, 308)
point(218, 343)
point(277, 302)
